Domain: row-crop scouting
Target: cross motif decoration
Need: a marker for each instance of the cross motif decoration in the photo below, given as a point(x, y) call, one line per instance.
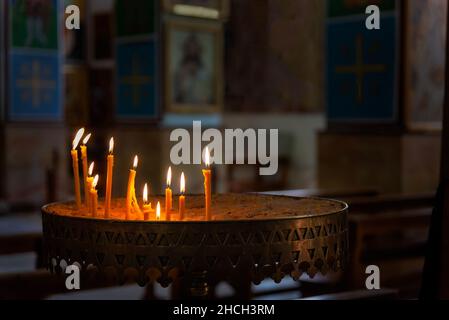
point(360, 69)
point(34, 80)
point(136, 80)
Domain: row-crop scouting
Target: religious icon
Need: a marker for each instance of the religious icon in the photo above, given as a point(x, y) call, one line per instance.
point(34, 23)
point(362, 71)
point(194, 67)
point(34, 87)
point(360, 68)
point(192, 76)
point(136, 80)
point(425, 59)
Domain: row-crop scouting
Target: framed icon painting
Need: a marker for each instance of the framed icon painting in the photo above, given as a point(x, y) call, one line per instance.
point(425, 60)
point(34, 24)
point(193, 67)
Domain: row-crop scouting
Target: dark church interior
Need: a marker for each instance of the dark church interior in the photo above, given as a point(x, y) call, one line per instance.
point(360, 106)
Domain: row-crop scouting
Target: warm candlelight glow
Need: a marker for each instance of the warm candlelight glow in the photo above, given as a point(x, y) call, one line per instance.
point(86, 139)
point(207, 157)
point(169, 177)
point(168, 196)
point(91, 169)
point(89, 181)
point(111, 145)
point(74, 154)
point(94, 196)
point(158, 211)
point(109, 173)
point(134, 210)
point(146, 205)
point(145, 194)
point(83, 150)
point(131, 200)
point(77, 139)
point(95, 182)
point(182, 198)
point(207, 173)
point(182, 186)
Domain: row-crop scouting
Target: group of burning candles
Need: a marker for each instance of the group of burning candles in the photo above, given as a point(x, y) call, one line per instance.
point(144, 212)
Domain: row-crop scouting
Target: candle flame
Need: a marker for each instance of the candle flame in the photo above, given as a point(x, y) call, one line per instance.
point(95, 182)
point(136, 162)
point(207, 157)
point(158, 211)
point(77, 139)
point(183, 183)
point(91, 169)
point(145, 194)
point(169, 177)
point(86, 139)
point(111, 145)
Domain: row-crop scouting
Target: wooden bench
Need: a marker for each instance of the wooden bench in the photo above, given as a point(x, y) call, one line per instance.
point(364, 193)
point(391, 232)
point(381, 203)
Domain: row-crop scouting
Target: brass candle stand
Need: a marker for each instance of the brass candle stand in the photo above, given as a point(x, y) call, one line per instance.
point(195, 255)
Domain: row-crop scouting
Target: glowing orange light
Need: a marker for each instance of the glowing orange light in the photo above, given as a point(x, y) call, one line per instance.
point(77, 139)
point(158, 211)
point(145, 194)
point(111, 145)
point(207, 157)
point(182, 183)
point(91, 169)
point(169, 177)
point(95, 182)
point(86, 139)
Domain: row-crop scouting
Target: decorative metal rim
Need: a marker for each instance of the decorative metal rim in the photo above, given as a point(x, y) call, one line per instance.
point(243, 220)
point(224, 249)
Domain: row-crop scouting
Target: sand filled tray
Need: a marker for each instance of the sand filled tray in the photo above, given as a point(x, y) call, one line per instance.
point(224, 207)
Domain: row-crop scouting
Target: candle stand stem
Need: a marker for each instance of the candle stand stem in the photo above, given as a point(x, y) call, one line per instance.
point(199, 288)
point(195, 286)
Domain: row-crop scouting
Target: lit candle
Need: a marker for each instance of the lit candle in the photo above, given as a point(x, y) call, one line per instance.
point(94, 196)
point(84, 162)
point(146, 205)
point(76, 176)
point(207, 185)
point(158, 211)
point(110, 161)
point(182, 198)
point(168, 195)
point(131, 194)
point(89, 181)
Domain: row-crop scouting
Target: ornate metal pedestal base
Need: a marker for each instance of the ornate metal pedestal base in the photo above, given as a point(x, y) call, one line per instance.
point(204, 252)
